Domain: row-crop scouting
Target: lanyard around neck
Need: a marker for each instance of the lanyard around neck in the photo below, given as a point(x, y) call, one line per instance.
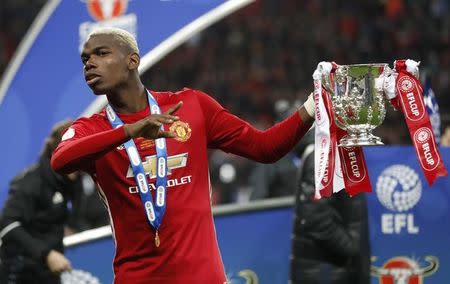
point(154, 211)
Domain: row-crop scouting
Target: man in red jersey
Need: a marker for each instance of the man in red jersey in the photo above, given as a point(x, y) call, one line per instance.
point(152, 168)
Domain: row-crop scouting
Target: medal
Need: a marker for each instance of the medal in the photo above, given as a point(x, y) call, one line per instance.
point(157, 240)
point(154, 210)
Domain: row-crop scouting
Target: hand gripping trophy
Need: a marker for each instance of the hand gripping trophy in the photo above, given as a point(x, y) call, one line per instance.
point(350, 103)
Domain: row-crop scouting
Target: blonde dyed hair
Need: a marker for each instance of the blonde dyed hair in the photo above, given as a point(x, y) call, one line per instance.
point(124, 37)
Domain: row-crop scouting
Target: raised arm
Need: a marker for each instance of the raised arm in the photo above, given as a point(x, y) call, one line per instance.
point(79, 151)
point(81, 144)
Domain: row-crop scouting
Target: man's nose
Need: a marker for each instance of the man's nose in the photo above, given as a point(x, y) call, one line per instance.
point(89, 64)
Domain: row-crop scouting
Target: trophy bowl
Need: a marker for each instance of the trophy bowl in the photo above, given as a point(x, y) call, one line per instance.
point(358, 101)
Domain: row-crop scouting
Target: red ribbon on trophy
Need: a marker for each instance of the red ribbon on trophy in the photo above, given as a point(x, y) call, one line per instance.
point(335, 167)
point(354, 168)
point(409, 99)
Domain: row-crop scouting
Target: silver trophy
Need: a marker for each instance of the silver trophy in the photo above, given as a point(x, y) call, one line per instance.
point(358, 100)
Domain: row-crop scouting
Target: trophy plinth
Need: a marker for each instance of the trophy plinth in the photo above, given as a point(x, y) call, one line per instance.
point(365, 139)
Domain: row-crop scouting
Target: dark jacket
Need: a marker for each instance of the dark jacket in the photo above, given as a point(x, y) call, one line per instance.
point(88, 210)
point(32, 221)
point(330, 240)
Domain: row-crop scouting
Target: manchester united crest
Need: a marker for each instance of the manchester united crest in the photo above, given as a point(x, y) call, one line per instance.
point(182, 130)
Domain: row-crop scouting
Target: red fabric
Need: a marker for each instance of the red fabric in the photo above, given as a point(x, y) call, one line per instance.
point(354, 168)
point(394, 9)
point(188, 252)
point(410, 98)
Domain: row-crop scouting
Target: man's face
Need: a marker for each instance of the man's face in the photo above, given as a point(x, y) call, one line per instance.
point(105, 64)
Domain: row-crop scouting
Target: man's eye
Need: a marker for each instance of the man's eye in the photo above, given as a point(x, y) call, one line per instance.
point(102, 53)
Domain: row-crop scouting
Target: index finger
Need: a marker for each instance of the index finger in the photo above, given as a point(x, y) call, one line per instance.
point(174, 109)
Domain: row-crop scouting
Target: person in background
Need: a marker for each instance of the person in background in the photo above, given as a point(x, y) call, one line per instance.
point(33, 218)
point(330, 240)
point(88, 210)
point(445, 137)
point(276, 180)
point(137, 149)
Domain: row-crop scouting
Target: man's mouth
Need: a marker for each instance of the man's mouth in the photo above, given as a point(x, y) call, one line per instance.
point(92, 79)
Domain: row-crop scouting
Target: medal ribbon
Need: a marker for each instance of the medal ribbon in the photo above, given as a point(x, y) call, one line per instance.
point(409, 99)
point(154, 211)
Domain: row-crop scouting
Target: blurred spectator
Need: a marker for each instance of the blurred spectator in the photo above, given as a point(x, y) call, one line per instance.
point(229, 178)
point(445, 138)
point(33, 218)
point(88, 211)
point(330, 240)
point(16, 17)
point(276, 180)
point(445, 129)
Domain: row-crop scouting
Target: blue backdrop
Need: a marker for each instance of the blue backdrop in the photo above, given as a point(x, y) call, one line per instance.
point(407, 217)
point(408, 222)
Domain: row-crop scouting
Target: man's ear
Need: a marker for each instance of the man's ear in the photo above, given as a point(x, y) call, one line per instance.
point(133, 61)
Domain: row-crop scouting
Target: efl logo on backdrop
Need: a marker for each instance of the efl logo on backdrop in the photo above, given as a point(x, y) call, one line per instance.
point(398, 189)
point(403, 270)
point(107, 13)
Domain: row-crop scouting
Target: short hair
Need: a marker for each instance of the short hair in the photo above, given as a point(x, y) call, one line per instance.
point(124, 37)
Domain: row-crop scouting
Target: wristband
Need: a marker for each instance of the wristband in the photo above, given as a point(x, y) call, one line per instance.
point(309, 105)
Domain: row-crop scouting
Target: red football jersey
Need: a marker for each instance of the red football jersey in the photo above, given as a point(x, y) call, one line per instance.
point(188, 252)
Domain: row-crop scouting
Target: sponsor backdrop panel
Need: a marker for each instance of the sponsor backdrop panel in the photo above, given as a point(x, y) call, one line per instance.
point(93, 260)
point(256, 243)
point(408, 218)
point(49, 84)
point(408, 224)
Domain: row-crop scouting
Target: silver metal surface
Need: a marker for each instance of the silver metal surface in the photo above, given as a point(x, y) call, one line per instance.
point(358, 100)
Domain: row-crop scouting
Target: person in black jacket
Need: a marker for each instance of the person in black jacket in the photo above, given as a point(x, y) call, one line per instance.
point(330, 240)
point(88, 211)
point(32, 221)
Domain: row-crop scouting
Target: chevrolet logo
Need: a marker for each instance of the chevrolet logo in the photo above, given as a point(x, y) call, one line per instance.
point(173, 162)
